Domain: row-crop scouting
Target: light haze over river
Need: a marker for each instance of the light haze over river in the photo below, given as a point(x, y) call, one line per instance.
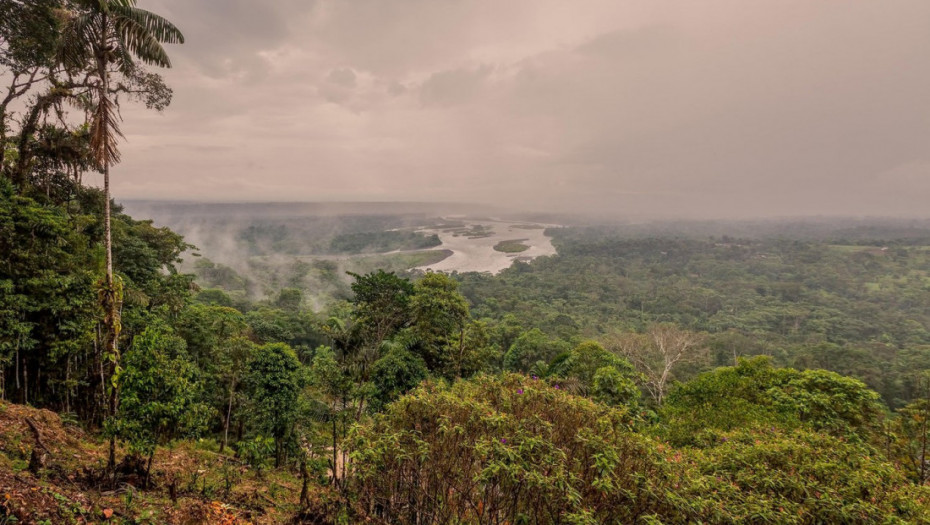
point(477, 254)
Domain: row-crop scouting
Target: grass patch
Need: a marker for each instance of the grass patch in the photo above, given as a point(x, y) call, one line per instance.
point(512, 246)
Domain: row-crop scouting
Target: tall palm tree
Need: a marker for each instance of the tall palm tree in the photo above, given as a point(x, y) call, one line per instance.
point(103, 38)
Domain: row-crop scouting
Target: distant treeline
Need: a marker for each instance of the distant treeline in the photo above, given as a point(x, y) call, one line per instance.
point(382, 241)
point(859, 309)
point(324, 235)
point(834, 230)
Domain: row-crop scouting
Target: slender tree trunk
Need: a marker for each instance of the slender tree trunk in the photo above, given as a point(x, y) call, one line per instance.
point(148, 469)
point(25, 381)
point(304, 483)
point(108, 241)
point(345, 431)
point(111, 314)
point(68, 383)
point(111, 294)
point(278, 452)
point(98, 355)
point(335, 449)
point(232, 389)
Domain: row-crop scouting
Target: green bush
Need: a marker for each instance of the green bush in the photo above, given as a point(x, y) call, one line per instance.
point(799, 476)
point(755, 394)
point(159, 394)
point(509, 449)
point(514, 450)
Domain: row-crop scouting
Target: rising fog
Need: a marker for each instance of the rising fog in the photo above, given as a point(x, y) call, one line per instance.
point(715, 108)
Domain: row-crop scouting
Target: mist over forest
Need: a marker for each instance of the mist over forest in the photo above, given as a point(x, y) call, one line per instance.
point(470, 263)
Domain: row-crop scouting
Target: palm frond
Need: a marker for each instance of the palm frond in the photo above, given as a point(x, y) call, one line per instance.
point(123, 60)
point(160, 28)
point(318, 411)
point(93, 5)
point(146, 48)
point(573, 385)
point(393, 345)
point(334, 324)
point(75, 49)
point(105, 133)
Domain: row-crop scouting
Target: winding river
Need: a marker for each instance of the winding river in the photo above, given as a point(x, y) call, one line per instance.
point(476, 253)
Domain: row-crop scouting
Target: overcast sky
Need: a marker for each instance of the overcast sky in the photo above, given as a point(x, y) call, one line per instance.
point(676, 108)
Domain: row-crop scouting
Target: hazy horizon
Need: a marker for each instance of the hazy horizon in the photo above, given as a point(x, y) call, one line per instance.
point(161, 209)
point(716, 109)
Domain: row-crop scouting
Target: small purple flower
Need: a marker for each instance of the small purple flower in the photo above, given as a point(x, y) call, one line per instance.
point(503, 440)
point(724, 439)
point(520, 391)
point(556, 387)
point(534, 378)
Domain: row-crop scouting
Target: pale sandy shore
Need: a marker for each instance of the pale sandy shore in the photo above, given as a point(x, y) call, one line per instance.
point(479, 255)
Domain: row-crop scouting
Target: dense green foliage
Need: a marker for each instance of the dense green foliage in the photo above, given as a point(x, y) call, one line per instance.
point(491, 451)
point(327, 394)
point(515, 450)
point(754, 394)
point(860, 310)
point(160, 396)
point(285, 385)
point(275, 382)
point(429, 398)
point(532, 351)
point(321, 235)
point(382, 241)
point(49, 281)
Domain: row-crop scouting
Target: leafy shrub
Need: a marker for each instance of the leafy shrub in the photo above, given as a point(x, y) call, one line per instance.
point(613, 387)
point(509, 449)
point(159, 395)
point(395, 373)
point(756, 394)
point(515, 450)
point(256, 452)
point(799, 476)
point(529, 348)
point(275, 380)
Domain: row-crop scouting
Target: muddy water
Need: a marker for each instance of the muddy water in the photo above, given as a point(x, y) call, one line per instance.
point(470, 254)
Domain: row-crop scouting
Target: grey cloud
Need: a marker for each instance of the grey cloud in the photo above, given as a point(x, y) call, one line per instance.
point(455, 86)
point(226, 37)
point(342, 76)
point(396, 89)
point(714, 107)
point(339, 86)
point(631, 42)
